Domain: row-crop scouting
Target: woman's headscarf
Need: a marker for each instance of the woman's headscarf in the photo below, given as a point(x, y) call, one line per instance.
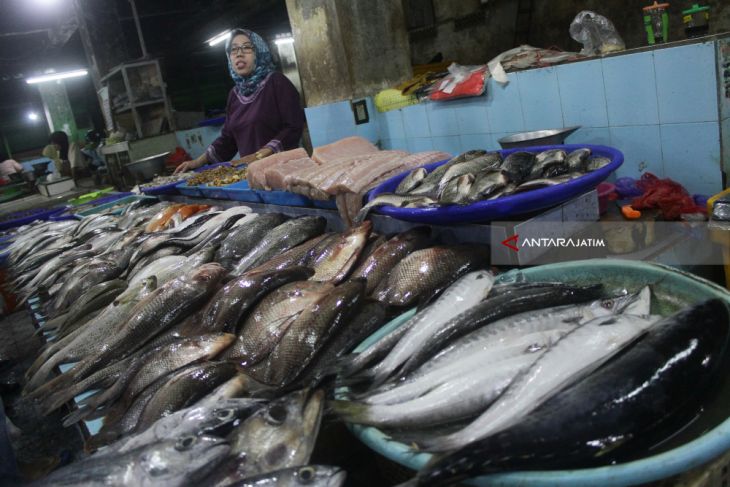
point(247, 85)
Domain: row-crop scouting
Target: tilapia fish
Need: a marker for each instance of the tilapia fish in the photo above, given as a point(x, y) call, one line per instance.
point(178, 462)
point(429, 185)
point(491, 160)
point(336, 261)
point(411, 181)
point(424, 273)
point(244, 237)
point(281, 238)
point(281, 435)
point(271, 318)
point(226, 308)
point(456, 191)
point(650, 390)
point(308, 333)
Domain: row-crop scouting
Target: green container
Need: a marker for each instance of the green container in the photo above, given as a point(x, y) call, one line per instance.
point(111, 204)
point(704, 440)
point(85, 198)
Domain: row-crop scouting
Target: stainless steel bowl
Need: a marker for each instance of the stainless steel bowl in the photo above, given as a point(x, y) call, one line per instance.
point(149, 167)
point(538, 137)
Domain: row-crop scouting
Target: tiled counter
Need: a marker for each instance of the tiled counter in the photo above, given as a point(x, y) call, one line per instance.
point(660, 107)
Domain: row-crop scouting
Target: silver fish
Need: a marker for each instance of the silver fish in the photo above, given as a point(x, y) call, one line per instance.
point(411, 181)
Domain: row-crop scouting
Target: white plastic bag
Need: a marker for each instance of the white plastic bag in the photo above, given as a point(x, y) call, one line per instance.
point(596, 33)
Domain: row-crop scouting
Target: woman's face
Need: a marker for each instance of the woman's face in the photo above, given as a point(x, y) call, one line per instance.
point(243, 55)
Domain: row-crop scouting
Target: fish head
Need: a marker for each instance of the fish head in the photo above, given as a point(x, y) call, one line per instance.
point(181, 458)
point(283, 433)
point(208, 273)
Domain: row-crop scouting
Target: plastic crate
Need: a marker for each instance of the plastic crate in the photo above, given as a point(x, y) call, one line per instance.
point(241, 191)
point(283, 198)
point(215, 192)
point(192, 191)
point(112, 204)
point(88, 197)
point(329, 204)
point(20, 218)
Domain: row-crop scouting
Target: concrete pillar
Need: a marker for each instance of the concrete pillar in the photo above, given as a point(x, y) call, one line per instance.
point(349, 48)
point(102, 37)
point(57, 107)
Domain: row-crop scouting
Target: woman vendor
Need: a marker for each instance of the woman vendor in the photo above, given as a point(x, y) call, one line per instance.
point(263, 112)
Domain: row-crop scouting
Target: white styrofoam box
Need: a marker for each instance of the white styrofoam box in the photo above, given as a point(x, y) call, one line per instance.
point(56, 187)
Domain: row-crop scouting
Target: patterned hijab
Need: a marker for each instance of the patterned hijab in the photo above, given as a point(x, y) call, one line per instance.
point(247, 85)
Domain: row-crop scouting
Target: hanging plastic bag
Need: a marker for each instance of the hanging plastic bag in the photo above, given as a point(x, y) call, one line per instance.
point(596, 33)
point(461, 81)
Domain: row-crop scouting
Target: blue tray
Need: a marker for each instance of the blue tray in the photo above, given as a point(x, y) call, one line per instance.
point(508, 206)
point(169, 188)
point(329, 204)
point(240, 191)
point(193, 191)
point(21, 218)
point(283, 198)
point(215, 192)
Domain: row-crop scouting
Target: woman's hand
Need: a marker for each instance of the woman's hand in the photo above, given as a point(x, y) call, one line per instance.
point(259, 154)
point(189, 165)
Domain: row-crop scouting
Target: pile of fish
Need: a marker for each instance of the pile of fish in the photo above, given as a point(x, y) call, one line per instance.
point(479, 175)
point(155, 309)
point(163, 180)
point(534, 376)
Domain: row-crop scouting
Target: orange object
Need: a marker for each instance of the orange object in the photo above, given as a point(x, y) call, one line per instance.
point(629, 213)
point(159, 220)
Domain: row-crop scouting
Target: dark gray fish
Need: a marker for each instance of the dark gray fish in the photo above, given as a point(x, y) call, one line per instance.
point(540, 183)
point(429, 185)
point(399, 201)
point(411, 181)
point(597, 162)
point(577, 160)
point(383, 259)
point(486, 184)
point(279, 239)
point(296, 256)
point(518, 166)
point(309, 475)
point(491, 160)
point(244, 237)
point(647, 392)
point(456, 191)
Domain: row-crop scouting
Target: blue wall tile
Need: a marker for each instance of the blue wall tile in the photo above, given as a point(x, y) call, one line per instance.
point(692, 156)
point(368, 131)
point(504, 108)
point(317, 118)
point(340, 117)
point(419, 144)
point(450, 144)
point(471, 115)
point(642, 150)
point(474, 142)
point(395, 144)
point(318, 137)
point(391, 124)
point(582, 94)
point(590, 135)
point(415, 121)
point(631, 96)
point(686, 84)
point(540, 99)
point(441, 119)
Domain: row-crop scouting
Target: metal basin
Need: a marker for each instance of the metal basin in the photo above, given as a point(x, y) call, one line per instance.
point(538, 137)
point(149, 167)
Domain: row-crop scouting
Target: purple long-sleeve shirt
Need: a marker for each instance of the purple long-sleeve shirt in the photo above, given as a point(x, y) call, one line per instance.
point(271, 117)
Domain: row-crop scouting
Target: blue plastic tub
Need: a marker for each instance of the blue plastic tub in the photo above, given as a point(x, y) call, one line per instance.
point(329, 204)
point(241, 191)
point(283, 198)
point(170, 188)
point(703, 440)
point(20, 218)
point(508, 206)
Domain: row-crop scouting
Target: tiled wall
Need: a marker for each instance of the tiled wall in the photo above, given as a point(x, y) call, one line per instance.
point(659, 108)
point(196, 140)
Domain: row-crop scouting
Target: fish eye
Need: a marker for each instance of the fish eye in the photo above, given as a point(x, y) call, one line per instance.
point(224, 413)
point(306, 475)
point(277, 414)
point(156, 471)
point(185, 443)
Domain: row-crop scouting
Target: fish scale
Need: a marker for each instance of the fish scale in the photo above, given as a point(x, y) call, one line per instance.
point(427, 270)
point(243, 238)
point(265, 325)
point(336, 261)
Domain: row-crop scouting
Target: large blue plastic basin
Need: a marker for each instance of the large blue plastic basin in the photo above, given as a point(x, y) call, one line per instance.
point(704, 440)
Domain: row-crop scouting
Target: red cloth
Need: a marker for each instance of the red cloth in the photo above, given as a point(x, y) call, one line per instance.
point(177, 157)
point(667, 195)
